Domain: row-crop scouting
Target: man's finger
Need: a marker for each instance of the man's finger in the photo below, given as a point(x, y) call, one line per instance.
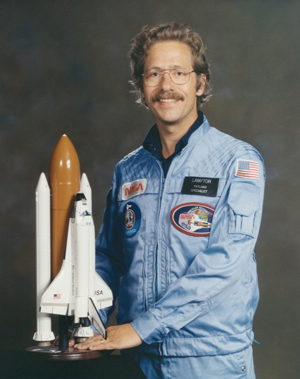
point(94, 342)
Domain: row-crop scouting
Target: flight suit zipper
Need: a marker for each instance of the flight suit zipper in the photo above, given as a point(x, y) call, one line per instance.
point(157, 289)
point(161, 189)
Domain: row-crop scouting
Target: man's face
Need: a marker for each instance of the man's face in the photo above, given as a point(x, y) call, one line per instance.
point(170, 103)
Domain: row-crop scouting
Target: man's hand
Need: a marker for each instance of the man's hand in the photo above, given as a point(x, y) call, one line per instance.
point(118, 337)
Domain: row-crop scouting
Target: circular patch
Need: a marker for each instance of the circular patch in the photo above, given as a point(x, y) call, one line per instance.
point(193, 219)
point(131, 219)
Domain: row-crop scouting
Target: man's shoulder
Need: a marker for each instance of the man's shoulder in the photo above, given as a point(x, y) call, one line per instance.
point(133, 163)
point(133, 156)
point(217, 151)
point(225, 142)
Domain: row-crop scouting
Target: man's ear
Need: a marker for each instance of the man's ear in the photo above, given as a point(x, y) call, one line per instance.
point(143, 101)
point(201, 84)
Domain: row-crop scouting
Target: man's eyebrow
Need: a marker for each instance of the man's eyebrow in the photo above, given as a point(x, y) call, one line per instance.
point(156, 68)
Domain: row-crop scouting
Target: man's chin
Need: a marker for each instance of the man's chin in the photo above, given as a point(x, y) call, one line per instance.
point(169, 120)
point(167, 115)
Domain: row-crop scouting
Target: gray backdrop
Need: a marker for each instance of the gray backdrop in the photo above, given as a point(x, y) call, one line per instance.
point(64, 69)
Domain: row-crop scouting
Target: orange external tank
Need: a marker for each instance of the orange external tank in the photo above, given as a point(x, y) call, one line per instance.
point(64, 184)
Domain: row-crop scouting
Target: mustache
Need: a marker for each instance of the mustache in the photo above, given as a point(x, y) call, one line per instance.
point(167, 95)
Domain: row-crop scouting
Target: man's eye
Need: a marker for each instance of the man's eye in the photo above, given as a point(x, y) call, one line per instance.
point(153, 74)
point(179, 73)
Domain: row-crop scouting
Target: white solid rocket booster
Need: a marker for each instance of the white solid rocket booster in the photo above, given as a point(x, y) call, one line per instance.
point(43, 332)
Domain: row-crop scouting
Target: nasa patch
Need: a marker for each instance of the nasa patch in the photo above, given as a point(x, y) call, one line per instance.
point(132, 189)
point(131, 219)
point(193, 219)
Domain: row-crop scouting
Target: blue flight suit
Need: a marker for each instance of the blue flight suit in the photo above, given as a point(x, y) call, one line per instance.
point(183, 244)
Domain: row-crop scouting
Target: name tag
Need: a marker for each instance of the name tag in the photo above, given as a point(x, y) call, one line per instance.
point(194, 185)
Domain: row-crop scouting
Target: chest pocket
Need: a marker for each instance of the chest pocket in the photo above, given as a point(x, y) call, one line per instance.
point(244, 202)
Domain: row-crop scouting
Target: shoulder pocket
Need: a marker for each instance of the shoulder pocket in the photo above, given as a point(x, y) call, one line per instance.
point(244, 202)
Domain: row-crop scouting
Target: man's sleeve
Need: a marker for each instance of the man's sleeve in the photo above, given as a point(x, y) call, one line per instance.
point(109, 264)
point(215, 271)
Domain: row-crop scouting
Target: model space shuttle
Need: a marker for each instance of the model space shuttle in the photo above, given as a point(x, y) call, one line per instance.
point(65, 252)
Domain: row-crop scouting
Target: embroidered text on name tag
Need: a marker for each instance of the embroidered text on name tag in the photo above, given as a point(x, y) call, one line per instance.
point(194, 185)
point(133, 188)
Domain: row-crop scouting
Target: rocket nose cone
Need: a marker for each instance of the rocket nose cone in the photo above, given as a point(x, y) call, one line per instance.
point(63, 148)
point(63, 139)
point(42, 183)
point(64, 164)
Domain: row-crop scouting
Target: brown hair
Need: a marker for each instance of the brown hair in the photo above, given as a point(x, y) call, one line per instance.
point(143, 41)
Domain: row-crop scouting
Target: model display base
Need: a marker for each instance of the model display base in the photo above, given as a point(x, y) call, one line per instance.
point(54, 353)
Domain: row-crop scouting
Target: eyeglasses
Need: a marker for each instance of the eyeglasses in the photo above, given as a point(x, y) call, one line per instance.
point(178, 76)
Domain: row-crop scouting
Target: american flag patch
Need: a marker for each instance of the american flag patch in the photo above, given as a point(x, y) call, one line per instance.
point(57, 296)
point(247, 169)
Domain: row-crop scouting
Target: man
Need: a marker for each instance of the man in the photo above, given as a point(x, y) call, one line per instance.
point(180, 226)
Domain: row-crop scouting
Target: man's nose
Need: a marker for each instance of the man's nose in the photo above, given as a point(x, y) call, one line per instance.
point(166, 81)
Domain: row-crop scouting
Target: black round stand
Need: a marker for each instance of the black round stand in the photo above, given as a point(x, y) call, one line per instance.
point(54, 353)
